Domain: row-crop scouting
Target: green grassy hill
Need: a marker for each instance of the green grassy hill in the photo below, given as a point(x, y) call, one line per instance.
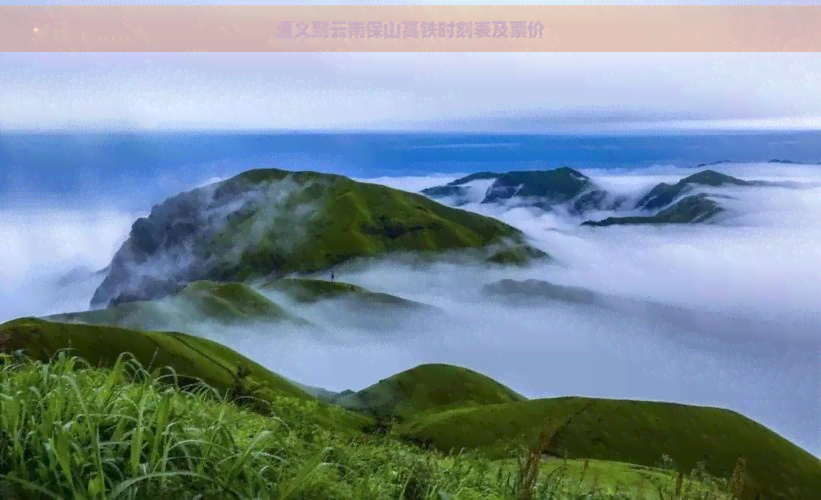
point(72, 431)
point(634, 432)
point(191, 357)
point(201, 301)
point(428, 387)
point(274, 221)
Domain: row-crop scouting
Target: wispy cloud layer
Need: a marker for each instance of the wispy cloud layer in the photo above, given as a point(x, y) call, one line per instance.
point(453, 91)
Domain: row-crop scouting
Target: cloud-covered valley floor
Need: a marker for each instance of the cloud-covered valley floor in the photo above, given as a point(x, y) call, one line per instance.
point(723, 314)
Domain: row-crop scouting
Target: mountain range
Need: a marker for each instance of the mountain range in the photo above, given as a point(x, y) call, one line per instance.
point(572, 191)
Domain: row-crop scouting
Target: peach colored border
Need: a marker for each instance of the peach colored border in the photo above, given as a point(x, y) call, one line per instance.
point(419, 28)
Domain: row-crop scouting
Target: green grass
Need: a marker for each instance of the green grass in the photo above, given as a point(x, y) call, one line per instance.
point(635, 483)
point(427, 387)
point(632, 431)
point(201, 301)
point(319, 221)
point(364, 220)
point(313, 290)
point(191, 357)
point(71, 431)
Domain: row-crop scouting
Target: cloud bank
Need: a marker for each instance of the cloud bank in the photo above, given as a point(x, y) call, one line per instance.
point(406, 91)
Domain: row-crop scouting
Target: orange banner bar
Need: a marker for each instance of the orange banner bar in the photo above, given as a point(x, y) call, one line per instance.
point(383, 28)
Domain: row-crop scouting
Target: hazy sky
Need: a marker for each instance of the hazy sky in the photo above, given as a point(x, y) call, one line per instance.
point(478, 91)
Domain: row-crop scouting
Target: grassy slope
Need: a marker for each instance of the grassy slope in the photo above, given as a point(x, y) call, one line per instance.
point(636, 481)
point(198, 302)
point(189, 356)
point(429, 387)
point(635, 432)
point(313, 290)
point(192, 358)
point(362, 220)
point(255, 456)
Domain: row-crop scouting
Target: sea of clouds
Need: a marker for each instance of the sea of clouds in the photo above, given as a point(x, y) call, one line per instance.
point(722, 314)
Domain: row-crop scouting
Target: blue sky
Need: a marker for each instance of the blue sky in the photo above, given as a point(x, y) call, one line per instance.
point(454, 91)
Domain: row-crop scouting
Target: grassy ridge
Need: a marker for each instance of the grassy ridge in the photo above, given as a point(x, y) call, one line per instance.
point(313, 290)
point(191, 357)
point(364, 220)
point(429, 387)
point(636, 432)
point(200, 301)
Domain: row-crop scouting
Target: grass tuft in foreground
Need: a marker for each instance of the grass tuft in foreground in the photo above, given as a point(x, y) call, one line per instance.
point(72, 431)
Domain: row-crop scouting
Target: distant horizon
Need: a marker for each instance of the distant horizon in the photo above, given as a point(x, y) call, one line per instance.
point(615, 132)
